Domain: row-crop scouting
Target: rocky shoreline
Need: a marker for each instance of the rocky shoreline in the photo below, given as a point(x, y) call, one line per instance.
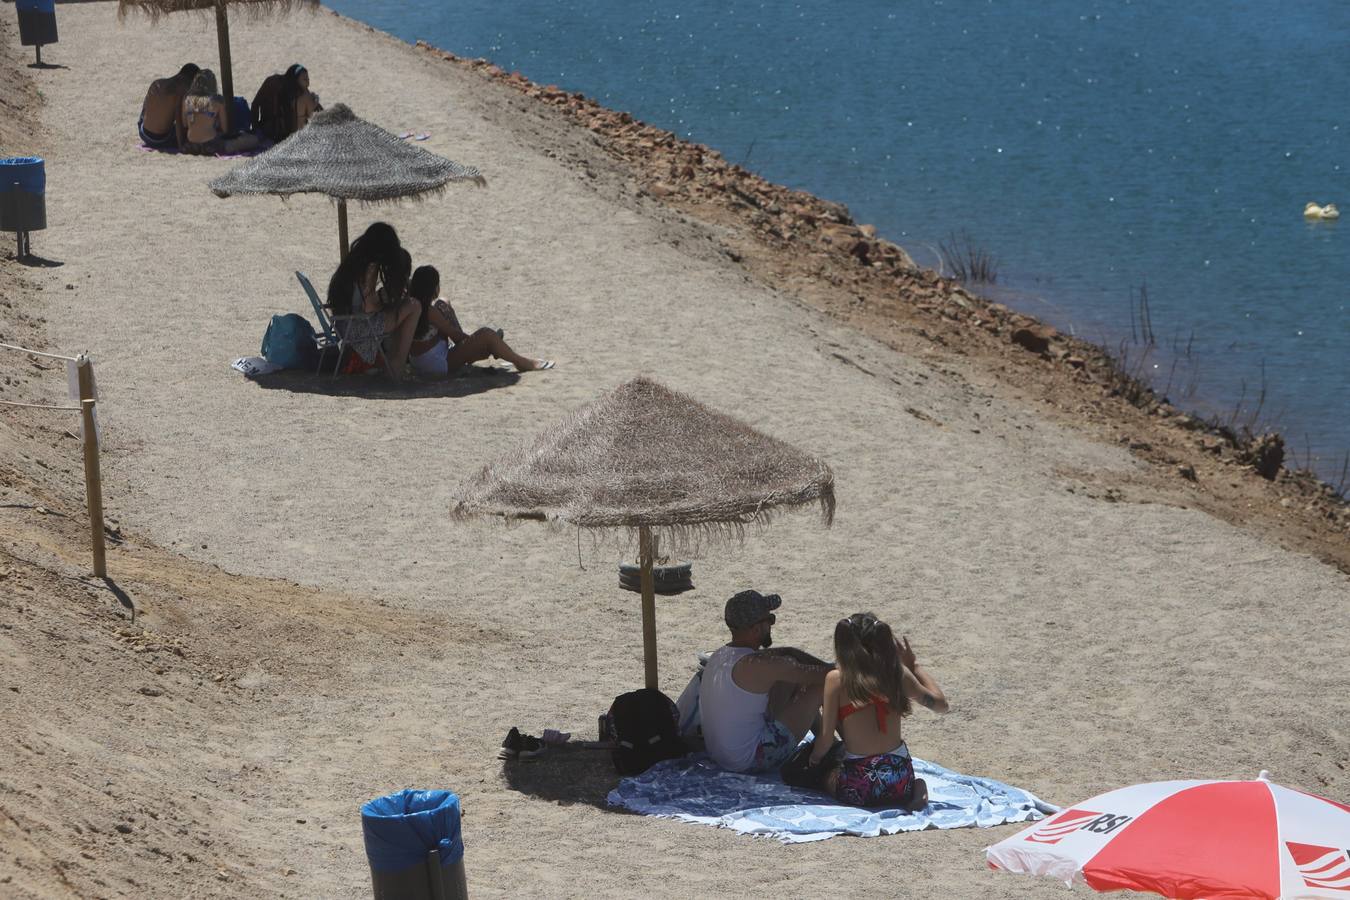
point(813, 249)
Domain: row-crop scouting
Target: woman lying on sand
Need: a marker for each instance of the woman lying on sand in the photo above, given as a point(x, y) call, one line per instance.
point(866, 697)
point(372, 281)
point(204, 120)
point(443, 346)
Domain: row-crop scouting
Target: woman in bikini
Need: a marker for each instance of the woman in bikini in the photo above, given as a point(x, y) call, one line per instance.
point(204, 120)
point(442, 345)
point(866, 698)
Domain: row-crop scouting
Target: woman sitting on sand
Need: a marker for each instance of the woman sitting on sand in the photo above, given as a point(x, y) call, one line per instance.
point(443, 346)
point(372, 282)
point(284, 103)
point(204, 120)
point(866, 697)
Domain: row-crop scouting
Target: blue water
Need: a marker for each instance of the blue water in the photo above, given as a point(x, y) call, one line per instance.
point(1091, 146)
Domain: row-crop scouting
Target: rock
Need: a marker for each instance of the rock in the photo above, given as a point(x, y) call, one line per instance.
point(1035, 338)
point(123, 827)
point(660, 191)
point(1187, 472)
point(1265, 454)
point(868, 231)
point(1076, 361)
point(152, 692)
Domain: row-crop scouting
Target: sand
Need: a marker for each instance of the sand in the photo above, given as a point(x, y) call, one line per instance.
point(1084, 643)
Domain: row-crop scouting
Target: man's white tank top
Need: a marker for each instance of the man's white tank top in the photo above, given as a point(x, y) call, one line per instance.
point(733, 718)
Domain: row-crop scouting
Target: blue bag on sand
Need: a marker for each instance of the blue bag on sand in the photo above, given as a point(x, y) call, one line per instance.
point(289, 342)
point(241, 117)
point(401, 829)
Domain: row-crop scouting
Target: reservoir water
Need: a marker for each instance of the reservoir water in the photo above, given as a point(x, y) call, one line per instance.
point(1092, 147)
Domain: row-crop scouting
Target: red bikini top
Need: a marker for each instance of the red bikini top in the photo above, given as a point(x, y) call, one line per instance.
point(880, 704)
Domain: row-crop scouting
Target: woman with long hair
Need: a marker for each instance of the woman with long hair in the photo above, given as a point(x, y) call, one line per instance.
point(443, 346)
point(204, 120)
point(372, 281)
point(866, 697)
point(284, 103)
point(303, 103)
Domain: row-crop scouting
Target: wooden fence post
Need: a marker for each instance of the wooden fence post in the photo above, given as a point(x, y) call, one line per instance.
point(93, 481)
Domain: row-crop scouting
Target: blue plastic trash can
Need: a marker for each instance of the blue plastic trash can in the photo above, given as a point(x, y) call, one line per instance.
point(414, 846)
point(23, 200)
point(37, 22)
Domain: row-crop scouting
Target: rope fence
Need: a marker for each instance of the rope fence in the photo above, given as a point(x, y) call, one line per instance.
point(80, 372)
point(38, 353)
point(36, 405)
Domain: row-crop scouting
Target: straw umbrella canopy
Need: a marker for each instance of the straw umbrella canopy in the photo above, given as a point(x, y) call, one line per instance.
point(647, 458)
point(156, 8)
point(346, 158)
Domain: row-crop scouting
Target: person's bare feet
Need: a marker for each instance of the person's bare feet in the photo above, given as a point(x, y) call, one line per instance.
point(918, 798)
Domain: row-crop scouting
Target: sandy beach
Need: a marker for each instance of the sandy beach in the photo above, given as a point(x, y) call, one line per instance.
point(313, 630)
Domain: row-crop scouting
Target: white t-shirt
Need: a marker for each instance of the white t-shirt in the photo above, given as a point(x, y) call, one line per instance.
point(733, 718)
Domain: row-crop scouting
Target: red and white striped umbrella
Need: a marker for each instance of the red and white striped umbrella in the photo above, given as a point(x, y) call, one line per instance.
point(1201, 839)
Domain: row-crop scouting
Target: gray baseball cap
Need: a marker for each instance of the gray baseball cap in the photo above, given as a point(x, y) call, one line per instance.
point(749, 607)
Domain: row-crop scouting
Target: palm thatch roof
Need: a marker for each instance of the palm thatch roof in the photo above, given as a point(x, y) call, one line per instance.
point(644, 455)
point(156, 8)
point(347, 158)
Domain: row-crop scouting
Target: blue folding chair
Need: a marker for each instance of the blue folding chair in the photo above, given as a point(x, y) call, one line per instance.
point(343, 332)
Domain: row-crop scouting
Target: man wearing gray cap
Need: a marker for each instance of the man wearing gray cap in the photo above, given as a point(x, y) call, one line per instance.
point(755, 703)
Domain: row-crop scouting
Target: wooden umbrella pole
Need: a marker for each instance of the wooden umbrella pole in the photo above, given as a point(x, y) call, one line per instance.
point(645, 553)
point(342, 228)
point(226, 70)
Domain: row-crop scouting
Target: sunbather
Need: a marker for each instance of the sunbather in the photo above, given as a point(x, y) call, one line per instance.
point(204, 120)
point(866, 697)
point(756, 703)
point(284, 103)
point(442, 345)
point(372, 281)
point(161, 122)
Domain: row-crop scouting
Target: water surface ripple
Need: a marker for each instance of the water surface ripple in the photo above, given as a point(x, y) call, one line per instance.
point(1092, 146)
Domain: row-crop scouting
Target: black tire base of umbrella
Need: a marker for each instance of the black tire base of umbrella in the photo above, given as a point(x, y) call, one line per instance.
point(666, 580)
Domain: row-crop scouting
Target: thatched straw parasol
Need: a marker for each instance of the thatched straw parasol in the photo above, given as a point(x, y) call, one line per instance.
point(645, 457)
point(347, 158)
point(157, 8)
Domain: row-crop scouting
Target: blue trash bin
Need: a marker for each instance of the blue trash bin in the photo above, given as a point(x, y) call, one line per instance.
point(23, 198)
point(414, 846)
point(37, 22)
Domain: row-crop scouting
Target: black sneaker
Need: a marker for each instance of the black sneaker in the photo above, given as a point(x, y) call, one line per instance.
point(520, 746)
point(531, 746)
point(510, 748)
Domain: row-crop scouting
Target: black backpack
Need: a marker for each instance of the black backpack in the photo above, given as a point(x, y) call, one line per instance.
point(644, 726)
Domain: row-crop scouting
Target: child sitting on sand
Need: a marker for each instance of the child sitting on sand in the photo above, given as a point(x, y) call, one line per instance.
point(441, 345)
point(866, 697)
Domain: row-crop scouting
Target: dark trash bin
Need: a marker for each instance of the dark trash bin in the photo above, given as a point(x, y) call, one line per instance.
point(23, 197)
point(37, 22)
point(414, 846)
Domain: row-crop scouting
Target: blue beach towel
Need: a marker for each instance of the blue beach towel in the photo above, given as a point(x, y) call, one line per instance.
point(695, 789)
